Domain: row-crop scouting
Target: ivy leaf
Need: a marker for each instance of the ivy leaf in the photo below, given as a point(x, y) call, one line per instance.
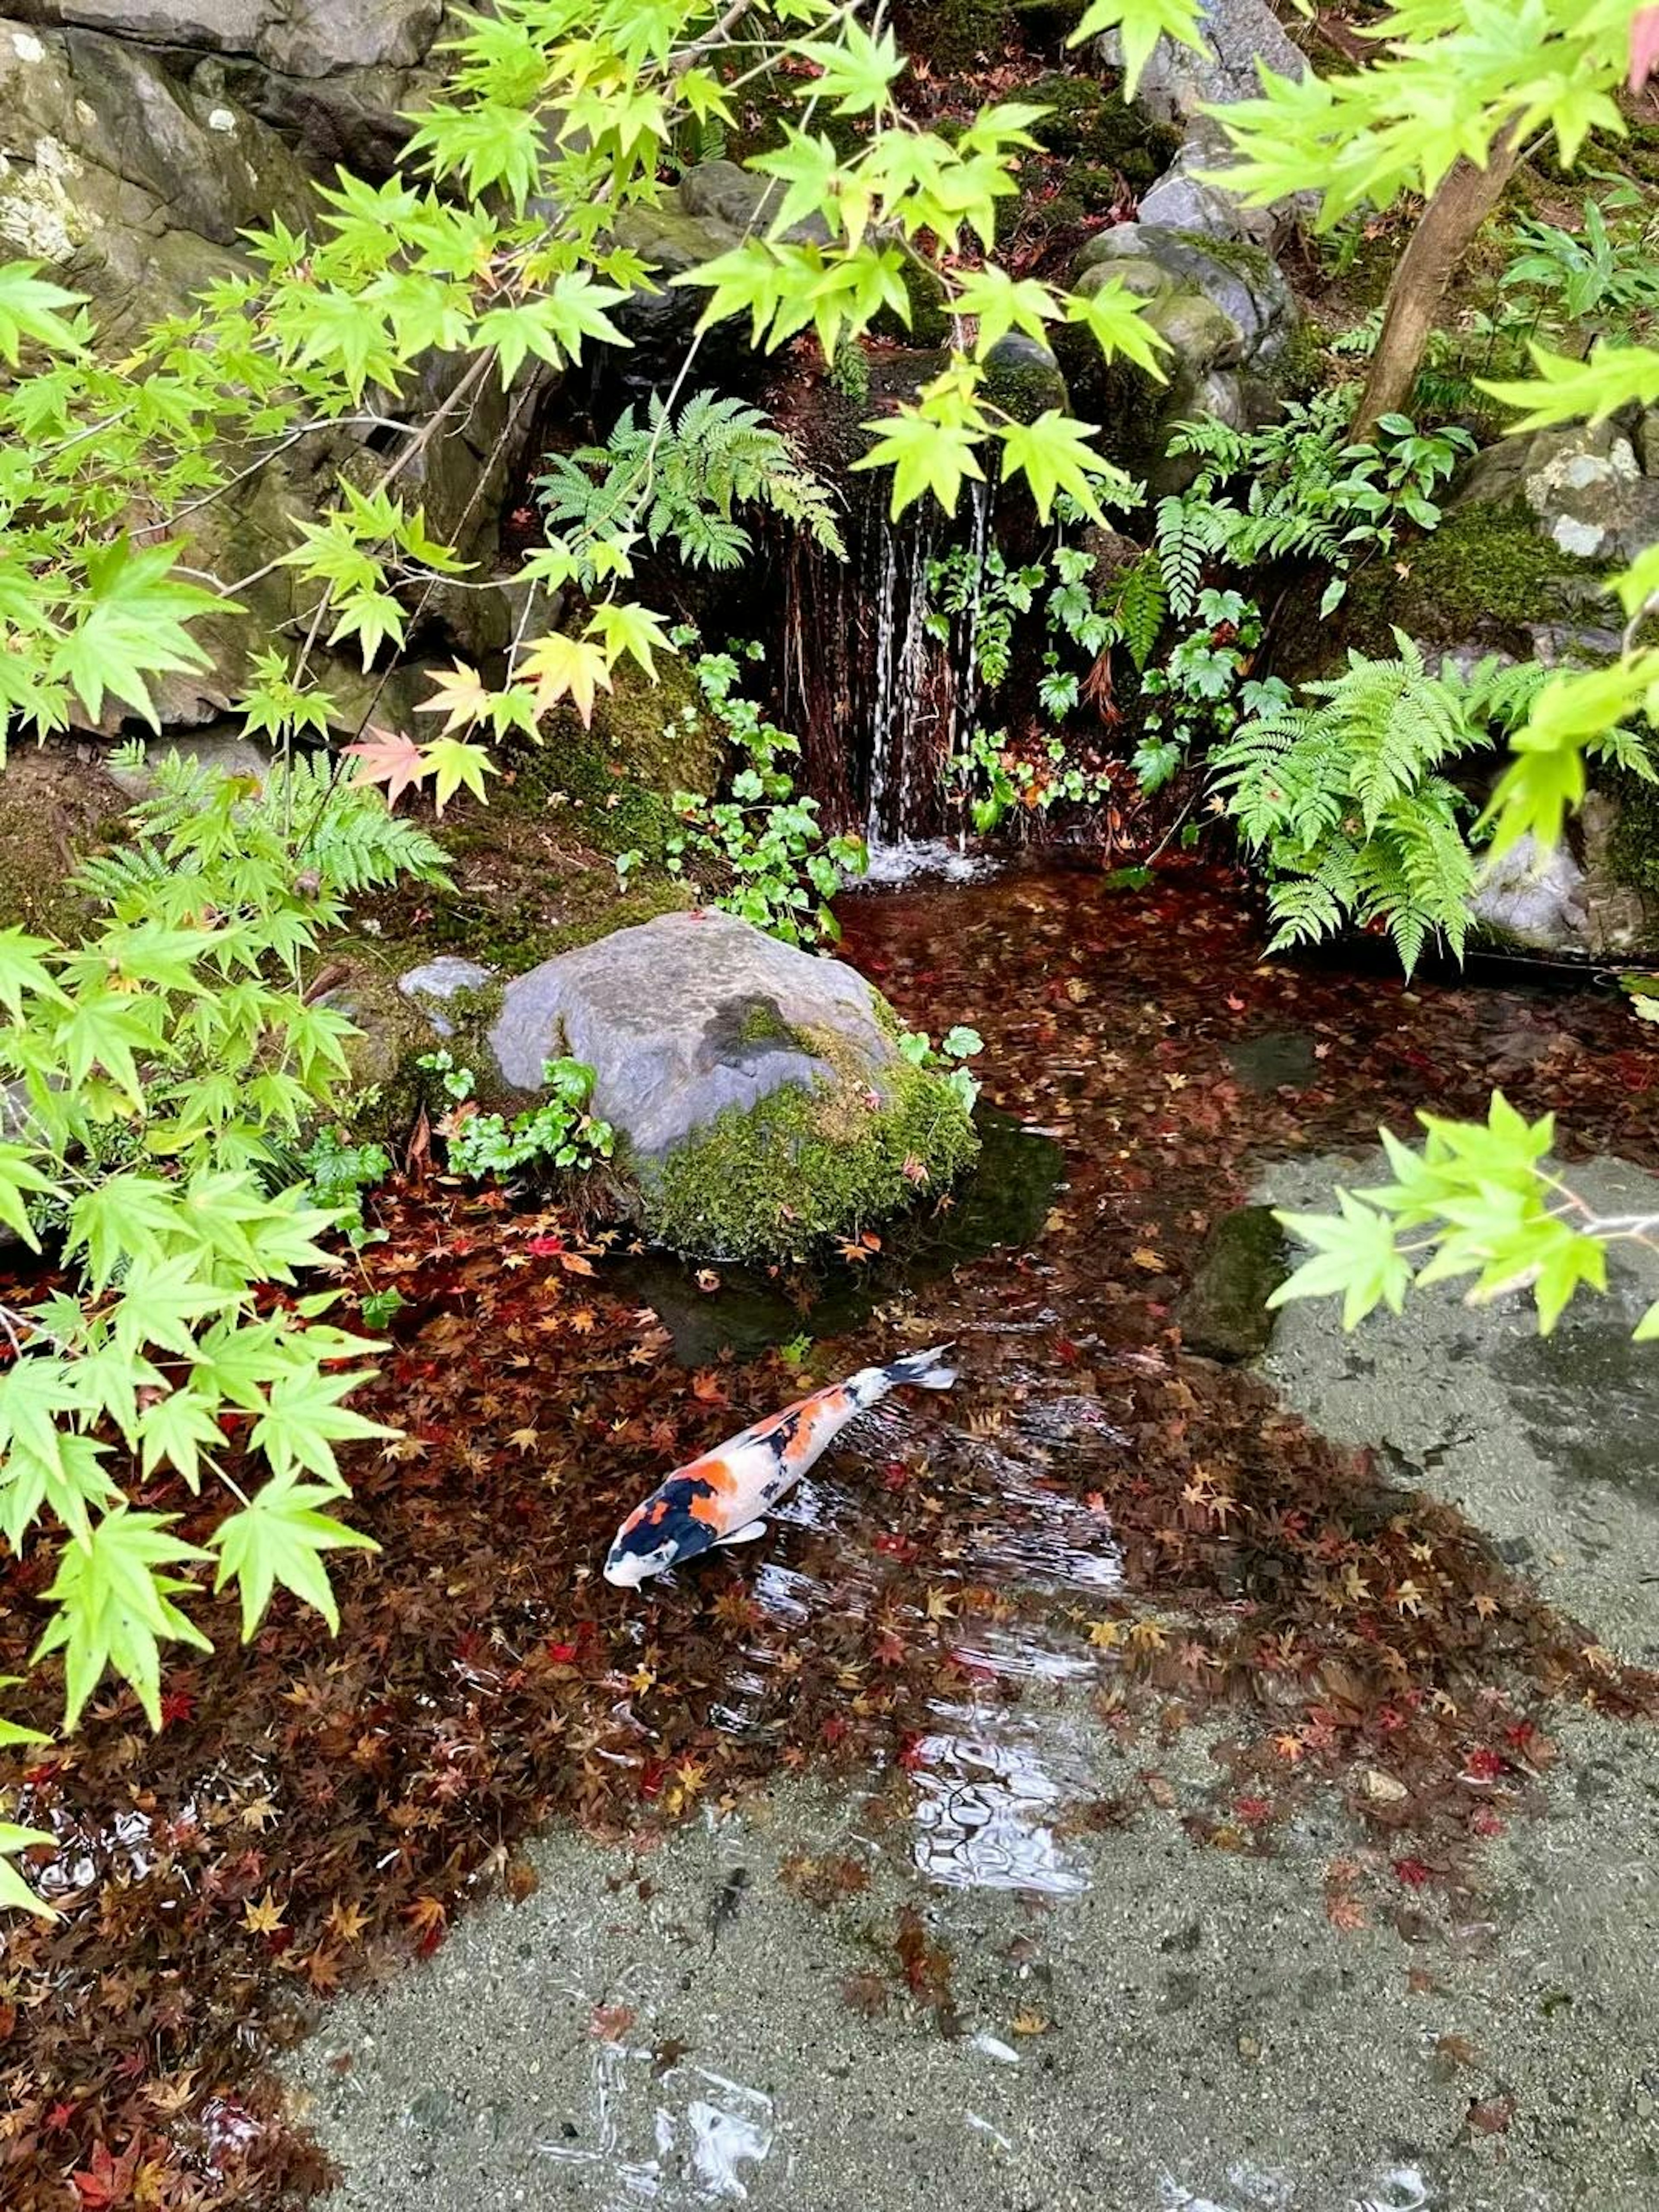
point(280, 1537)
point(567, 667)
point(455, 762)
point(114, 1605)
point(391, 757)
point(925, 456)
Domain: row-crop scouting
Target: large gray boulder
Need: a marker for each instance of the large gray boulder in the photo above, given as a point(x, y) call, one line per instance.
point(685, 1017)
point(1184, 85)
point(759, 1091)
point(127, 184)
point(1241, 37)
point(334, 76)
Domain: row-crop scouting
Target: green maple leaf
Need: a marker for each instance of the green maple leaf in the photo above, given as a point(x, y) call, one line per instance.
point(925, 456)
point(454, 762)
point(858, 71)
point(303, 1419)
point(177, 1428)
point(811, 169)
point(622, 627)
point(132, 615)
point(1354, 1254)
point(1141, 24)
point(16, 1895)
point(280, 1537)
point(1003, 304)
point(1115, 318)
point(114, 1606)
point(28, 306)
point(1054, 455)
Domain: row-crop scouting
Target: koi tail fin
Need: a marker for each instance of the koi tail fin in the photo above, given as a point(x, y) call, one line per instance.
point(925, 1371)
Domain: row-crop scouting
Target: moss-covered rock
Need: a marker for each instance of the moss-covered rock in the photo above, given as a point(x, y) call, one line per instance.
point(1223, 1313)
point(806, 1164)
point(1024, 379)
point(1484, 577)
point(1091, 122)
point(54, 809)
point(758, 1093)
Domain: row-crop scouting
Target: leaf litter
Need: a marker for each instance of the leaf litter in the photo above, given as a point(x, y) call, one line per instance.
point(317, 1810)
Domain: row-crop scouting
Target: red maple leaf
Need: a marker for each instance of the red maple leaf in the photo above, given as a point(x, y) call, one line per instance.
point(390, 757)
point(108, 2180)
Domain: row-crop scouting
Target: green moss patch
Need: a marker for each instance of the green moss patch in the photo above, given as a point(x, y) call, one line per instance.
point(1483, 575)
point(1092, 123)
point(646, 740)
point(803, 1166)
point(1633, 850)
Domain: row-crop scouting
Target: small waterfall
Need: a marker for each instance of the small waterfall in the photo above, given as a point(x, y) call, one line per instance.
point(880, 702)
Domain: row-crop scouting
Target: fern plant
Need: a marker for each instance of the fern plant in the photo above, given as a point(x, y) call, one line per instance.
point(341, 838)
point(1343, 795)
point(1298, 490)
point(678, 482)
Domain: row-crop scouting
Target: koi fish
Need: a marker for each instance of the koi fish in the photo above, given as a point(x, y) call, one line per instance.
point(724, 1497)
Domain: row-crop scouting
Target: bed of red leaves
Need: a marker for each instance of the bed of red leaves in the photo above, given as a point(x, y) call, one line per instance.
point(317, 1810)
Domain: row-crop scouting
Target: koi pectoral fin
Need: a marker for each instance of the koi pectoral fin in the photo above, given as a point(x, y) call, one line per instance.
point(747, 1534)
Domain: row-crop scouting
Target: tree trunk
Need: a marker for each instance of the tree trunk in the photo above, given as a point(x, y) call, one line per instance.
point(1444, 232)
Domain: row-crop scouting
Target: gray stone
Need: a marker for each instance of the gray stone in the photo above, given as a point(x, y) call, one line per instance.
point(1223, 1313)
point(684, 1017)
point(1241, 37)
point(1186, 198)
point(1584, 483)
point(1227, 317)
point(115, 176)
point(1621, 923)
point(1534, 898)
point(224, 752)
point(435, 982)
point(1023, 378)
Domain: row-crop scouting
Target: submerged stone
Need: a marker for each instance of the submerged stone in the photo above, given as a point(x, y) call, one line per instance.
point(1223, 1313)
point(759, 1091)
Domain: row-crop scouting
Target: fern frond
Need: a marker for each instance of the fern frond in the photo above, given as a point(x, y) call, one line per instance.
point(680, 481)
point(1139, 606)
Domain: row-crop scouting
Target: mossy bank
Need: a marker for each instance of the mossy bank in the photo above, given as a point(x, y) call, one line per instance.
point(809, 1165)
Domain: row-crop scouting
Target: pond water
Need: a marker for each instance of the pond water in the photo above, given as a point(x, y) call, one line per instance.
point(1091, 1526)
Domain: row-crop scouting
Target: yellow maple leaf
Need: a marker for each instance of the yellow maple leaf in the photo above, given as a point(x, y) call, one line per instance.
point(461, 695)
point(264, 1918)
point(567, 667)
